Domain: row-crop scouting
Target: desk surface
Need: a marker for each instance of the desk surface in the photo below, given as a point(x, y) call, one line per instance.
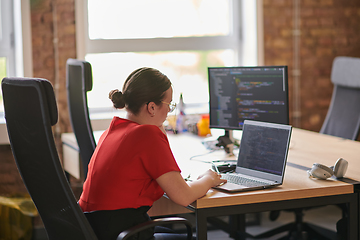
point(298, 189)
point(306, 148)
point(310, 147)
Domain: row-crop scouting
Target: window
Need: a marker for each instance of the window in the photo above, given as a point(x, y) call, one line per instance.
point(15, 52)
point(7, 50)
point(181, 38)
point(15, 47)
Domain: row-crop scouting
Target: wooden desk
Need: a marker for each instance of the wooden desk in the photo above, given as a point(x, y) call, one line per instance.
point(298, 190)
point(310, 147)
point(71, 157)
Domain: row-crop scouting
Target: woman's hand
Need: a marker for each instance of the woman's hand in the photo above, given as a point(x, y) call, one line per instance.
point(184, 193)
point(215, 177)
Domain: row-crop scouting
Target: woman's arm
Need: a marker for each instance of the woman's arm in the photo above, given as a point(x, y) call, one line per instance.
point(184, 193)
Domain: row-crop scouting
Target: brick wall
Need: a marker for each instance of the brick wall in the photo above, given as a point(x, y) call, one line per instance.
point(328, 28)
point(10, 180)
point(53, 42)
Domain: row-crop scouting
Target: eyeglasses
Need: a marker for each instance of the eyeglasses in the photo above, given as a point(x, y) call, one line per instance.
point(172, 106)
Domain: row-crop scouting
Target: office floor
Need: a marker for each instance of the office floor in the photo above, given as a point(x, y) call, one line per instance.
point(325, 217)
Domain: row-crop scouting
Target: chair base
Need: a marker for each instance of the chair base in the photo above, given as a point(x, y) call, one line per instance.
point(303, 231)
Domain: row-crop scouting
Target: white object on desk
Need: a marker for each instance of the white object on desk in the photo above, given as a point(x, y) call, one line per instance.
point(71, 156)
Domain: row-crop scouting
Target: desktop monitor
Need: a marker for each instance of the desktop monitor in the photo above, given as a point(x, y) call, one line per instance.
point(240, 93)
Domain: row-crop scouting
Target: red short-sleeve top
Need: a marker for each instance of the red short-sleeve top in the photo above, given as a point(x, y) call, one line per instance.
point(123, 170)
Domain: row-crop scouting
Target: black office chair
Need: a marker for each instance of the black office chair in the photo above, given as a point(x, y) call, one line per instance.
point(30, 112)
point(78, 83)
point(342, 120)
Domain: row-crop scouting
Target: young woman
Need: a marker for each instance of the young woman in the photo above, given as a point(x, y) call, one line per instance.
point(133, 165)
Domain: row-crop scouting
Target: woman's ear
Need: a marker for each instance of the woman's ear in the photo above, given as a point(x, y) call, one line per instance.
point(151, 108)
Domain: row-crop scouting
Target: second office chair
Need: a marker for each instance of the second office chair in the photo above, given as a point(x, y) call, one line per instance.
point(78, 83)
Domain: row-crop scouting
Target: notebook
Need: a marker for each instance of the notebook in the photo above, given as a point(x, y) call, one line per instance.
point(262, 156)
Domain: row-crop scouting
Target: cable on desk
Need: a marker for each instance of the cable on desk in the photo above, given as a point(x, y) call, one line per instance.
point(226, 166)
point(200, 155)
point(212, 161)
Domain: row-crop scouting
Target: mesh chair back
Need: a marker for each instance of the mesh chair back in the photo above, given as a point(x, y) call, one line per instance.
point(78, 83)
point(343, 117)
point(30, 111)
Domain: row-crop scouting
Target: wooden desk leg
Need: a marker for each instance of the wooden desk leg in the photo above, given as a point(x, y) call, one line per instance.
point(201, 224)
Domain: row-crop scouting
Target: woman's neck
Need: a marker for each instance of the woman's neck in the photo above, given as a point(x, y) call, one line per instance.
point(140, 118)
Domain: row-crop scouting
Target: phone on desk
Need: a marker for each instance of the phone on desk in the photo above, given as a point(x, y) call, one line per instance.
point(219, 167)
point(224, 167)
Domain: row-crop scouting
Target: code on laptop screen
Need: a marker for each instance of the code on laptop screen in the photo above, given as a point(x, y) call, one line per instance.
point(264, 149)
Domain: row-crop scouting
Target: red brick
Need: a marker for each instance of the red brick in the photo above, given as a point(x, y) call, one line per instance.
point(314, 119)
point(321, 12)
point(326, 22)
point(326, 41)
point(341, 41)
point(311, 22)
point(322, 32)
point(309, 3)
point(307, 12)
point(48, 17)
point(326, 3)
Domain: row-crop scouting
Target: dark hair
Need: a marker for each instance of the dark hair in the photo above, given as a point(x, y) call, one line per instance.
point(142, 86)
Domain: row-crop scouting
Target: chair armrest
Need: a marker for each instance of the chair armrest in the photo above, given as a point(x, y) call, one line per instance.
point(156, 222)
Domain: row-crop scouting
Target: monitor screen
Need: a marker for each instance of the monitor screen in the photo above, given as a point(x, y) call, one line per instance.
point(254, 93)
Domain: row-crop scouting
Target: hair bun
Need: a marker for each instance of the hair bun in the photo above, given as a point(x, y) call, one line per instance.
point(117, 98)
point(112, 92)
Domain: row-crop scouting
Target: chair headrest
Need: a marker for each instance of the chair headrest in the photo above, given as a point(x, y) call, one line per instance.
point(42, 85)
point(346, 72)
point(88, 76)
point(51, 100)
point(86, 71)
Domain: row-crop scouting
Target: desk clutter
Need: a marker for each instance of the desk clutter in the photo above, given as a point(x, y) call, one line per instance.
point(197, 124)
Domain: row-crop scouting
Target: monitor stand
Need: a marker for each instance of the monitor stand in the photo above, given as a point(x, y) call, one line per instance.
point(227, 141)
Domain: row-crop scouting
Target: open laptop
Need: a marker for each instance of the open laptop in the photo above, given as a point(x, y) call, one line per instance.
point(262, 156)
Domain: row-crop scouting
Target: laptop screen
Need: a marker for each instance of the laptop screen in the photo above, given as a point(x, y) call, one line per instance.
point(264, 147)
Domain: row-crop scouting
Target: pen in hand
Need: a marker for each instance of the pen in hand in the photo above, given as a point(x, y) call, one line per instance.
point(215, 168)
point(218, 172)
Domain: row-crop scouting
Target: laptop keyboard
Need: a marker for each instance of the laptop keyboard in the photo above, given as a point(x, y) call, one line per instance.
point(237, 179)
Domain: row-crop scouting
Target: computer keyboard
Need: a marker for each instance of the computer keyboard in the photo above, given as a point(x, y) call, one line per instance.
point(240, 180)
